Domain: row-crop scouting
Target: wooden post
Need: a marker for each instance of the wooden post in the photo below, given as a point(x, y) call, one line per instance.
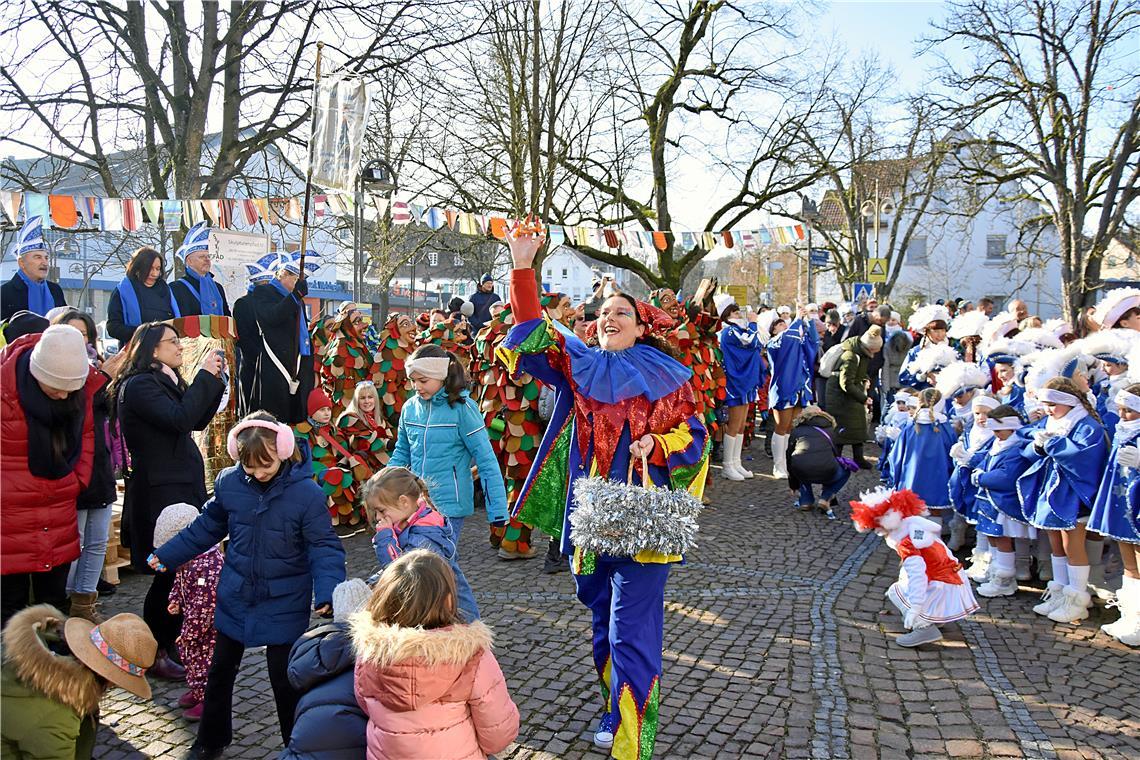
point(309, 168)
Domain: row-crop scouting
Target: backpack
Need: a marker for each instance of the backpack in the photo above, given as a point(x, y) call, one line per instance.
point(830, 360)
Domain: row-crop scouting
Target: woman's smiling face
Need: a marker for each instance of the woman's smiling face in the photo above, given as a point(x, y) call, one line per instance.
point(617, 324)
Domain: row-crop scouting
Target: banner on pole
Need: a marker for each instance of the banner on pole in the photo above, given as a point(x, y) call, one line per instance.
point(340, 117)
point(230, 252)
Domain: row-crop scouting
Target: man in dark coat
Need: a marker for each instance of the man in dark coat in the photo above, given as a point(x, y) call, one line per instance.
point(847, 396)
point(29, 289)
point(196, 291)
point(276, 353)
point(483, 300)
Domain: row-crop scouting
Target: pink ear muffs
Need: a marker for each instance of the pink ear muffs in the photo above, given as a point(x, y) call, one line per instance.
point(285, 441)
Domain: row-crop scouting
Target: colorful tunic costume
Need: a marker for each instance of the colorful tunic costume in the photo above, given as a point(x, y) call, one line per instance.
point(195, 591)
point(452, 336)
point(336, 469)
point(604, 400)
point(367, 438)
point(346, 362)
point(791, 357)
point(510, 407)
point(394, 387)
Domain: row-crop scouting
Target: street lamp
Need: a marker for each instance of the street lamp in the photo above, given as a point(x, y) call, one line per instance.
point(377, 175)
point(874, 208)
point(809, 212)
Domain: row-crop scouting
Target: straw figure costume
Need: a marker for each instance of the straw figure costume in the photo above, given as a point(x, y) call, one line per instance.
point(336, 469)
point(614, 403)
point(397, 342)
point(451, 335)
point(346, 360)
point(695, 338)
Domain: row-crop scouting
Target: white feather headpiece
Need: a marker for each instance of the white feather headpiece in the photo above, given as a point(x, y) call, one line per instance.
point(933, 358)
point(1059, 327)
point(926, 314)
point(1114, 304)
point(999, 326)
point(1109, 345)
point(970, 323)
point(960, 376)
point(1040, 337)
point(1008, 347)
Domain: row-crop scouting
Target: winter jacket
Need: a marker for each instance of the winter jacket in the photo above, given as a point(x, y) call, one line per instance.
point(282, 547)
point(38, 530)
point(268, 321)
point(428, 529)
point(154, 306)
point(100, 491)
point(329, 724)
point(895, 347)
point(482, 314)
point(51, 701)
point(847, 395)
point(439, 442)
point(157, 417)
point(811, 455)
point(14, 296)
point(435, 694)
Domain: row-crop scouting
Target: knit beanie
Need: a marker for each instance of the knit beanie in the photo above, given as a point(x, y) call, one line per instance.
point(349, 597)
point(172, 520)
point(23, 323)
point(59, 360)
point(872, 340)
point(318, 400)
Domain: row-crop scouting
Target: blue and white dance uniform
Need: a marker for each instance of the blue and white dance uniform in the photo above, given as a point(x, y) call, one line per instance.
point(791, 357)
point(907, 378)
point(997, 508)
point(963, 493)
point(743, 369)
point(1060, 485)
point(1116, 511)
point(920, 458)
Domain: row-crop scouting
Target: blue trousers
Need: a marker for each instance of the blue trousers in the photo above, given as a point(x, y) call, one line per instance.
point(627, 603)
point(834, 486)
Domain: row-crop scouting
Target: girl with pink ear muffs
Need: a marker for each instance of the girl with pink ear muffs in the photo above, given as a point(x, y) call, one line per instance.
point(282, 563)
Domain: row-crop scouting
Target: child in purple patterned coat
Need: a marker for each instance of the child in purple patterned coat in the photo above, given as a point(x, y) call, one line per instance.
point(194, 596)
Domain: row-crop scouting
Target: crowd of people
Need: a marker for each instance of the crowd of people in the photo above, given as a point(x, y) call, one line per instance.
point(992, 424)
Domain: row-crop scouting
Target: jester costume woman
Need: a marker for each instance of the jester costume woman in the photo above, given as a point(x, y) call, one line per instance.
point(605, 400)
point(396, 345)
point(345, 361)
point(367, 437)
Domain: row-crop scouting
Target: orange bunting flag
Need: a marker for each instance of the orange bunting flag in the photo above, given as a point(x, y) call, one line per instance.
point(497, 227)
point(799, 228)
point(63, 211)
point(660, 242)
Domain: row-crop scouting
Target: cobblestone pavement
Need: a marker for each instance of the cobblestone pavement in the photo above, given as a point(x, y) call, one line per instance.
point(778, 643)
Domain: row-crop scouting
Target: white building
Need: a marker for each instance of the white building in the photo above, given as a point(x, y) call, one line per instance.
point(569, 272)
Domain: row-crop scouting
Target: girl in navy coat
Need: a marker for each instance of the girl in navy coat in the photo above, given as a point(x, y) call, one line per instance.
point(1067, 457)
point(1116, 512)
point(997, 508)
point(282, 552)
point(920, 457)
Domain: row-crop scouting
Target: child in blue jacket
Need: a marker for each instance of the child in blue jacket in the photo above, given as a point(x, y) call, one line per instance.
point(997, 506)
point(282, 552)
point(405, 519)
point(442, 433)
point(920, 456)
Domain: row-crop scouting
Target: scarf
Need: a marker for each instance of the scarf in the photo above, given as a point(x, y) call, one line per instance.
point(1000, 446)
point(1126, 429)
point(206, 291)
point(614, 376)
point(132, 314)
point(979, 437)
point(306, 348)
point(1064, 425)
point(40, 300)
point(55, 428)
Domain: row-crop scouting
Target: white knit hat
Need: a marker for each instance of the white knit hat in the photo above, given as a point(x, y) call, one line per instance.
point(722, 301)
point(349, 597)
point(172, 520)
point(59, 360)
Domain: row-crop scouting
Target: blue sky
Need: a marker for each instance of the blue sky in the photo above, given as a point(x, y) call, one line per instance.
point(891, 28)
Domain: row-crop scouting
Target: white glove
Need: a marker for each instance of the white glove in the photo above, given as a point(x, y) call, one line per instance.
point(1040, 437)
point(1128, 456)
point(975, 475)
point(911, 619)
point(893, 432)
point(956, 451)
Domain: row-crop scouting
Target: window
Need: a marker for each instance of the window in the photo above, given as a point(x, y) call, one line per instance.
point(916, 250)
point(565, 274)
point(995, 246)
point(549, 273)
point(433, 258)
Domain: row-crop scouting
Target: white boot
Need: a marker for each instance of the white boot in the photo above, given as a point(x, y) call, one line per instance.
point(1128, 603)
point(740, 468)
point(1073, 608)
point(1129, 633)
point(1097, 583)
point(957, 533)
point(779, 456)
point(981, 563)
point(730, 447)
point(1051, 599)
point(998, 585)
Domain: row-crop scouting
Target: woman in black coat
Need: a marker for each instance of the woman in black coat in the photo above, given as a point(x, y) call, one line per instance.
point(142, 296)
point(813, 459)
point(157, 411)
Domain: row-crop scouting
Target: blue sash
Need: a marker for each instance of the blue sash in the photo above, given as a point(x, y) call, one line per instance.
point(207, 292)
point(306, 348)
point(39, 296)
point(132, 314)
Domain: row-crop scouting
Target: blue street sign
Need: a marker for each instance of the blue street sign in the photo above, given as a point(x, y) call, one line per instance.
point(819, 257)
point(861, 290)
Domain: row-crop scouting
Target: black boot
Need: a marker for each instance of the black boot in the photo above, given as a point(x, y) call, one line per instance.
point(554, 562)
point(857, 455)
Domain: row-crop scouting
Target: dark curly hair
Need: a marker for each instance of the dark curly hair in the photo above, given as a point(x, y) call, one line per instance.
point(652, 341)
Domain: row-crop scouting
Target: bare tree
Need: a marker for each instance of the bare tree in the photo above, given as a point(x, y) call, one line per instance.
point(1053, 83)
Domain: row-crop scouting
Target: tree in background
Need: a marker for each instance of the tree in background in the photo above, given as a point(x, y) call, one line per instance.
point(1052, 85)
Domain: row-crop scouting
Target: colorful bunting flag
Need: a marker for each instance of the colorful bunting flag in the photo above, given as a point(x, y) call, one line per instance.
point(63, 212)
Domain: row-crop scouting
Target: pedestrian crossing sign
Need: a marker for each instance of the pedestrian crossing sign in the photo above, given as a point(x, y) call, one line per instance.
point(877, 270)
point(861, 291)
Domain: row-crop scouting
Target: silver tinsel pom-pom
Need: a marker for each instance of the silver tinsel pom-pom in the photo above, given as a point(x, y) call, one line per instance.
point(621, 520)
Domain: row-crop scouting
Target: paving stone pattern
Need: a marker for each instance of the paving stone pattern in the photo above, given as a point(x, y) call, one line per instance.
point(778, 643)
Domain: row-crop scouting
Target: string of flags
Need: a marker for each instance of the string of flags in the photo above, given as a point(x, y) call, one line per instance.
point(131, 214)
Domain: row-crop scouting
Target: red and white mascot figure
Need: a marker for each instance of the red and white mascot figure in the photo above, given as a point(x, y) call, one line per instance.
point(932, 588)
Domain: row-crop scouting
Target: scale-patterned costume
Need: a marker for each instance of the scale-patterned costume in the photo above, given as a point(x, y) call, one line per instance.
point(695, 338)
point(394, 386)
point(450, 335)
point(336, 470)
point(345, 363)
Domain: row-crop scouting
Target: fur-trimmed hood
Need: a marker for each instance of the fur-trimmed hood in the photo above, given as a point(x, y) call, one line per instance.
point(60, 678)
point(813, 415)
point(415, 667)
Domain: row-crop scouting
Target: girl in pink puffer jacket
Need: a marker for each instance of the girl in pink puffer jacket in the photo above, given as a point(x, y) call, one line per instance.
point(429, 684)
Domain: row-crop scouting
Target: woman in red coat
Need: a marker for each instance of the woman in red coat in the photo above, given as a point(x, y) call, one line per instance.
point(48, 436)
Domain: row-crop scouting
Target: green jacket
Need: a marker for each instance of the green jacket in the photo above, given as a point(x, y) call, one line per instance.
point(50, 701)
point(846, 394)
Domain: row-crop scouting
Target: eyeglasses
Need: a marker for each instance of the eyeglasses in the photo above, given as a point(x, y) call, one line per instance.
point(175, 340)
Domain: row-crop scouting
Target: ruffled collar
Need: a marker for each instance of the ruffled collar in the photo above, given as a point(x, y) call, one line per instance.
point(614, 376)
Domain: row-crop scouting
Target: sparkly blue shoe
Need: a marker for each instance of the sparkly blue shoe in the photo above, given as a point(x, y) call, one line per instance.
point(604, 735)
